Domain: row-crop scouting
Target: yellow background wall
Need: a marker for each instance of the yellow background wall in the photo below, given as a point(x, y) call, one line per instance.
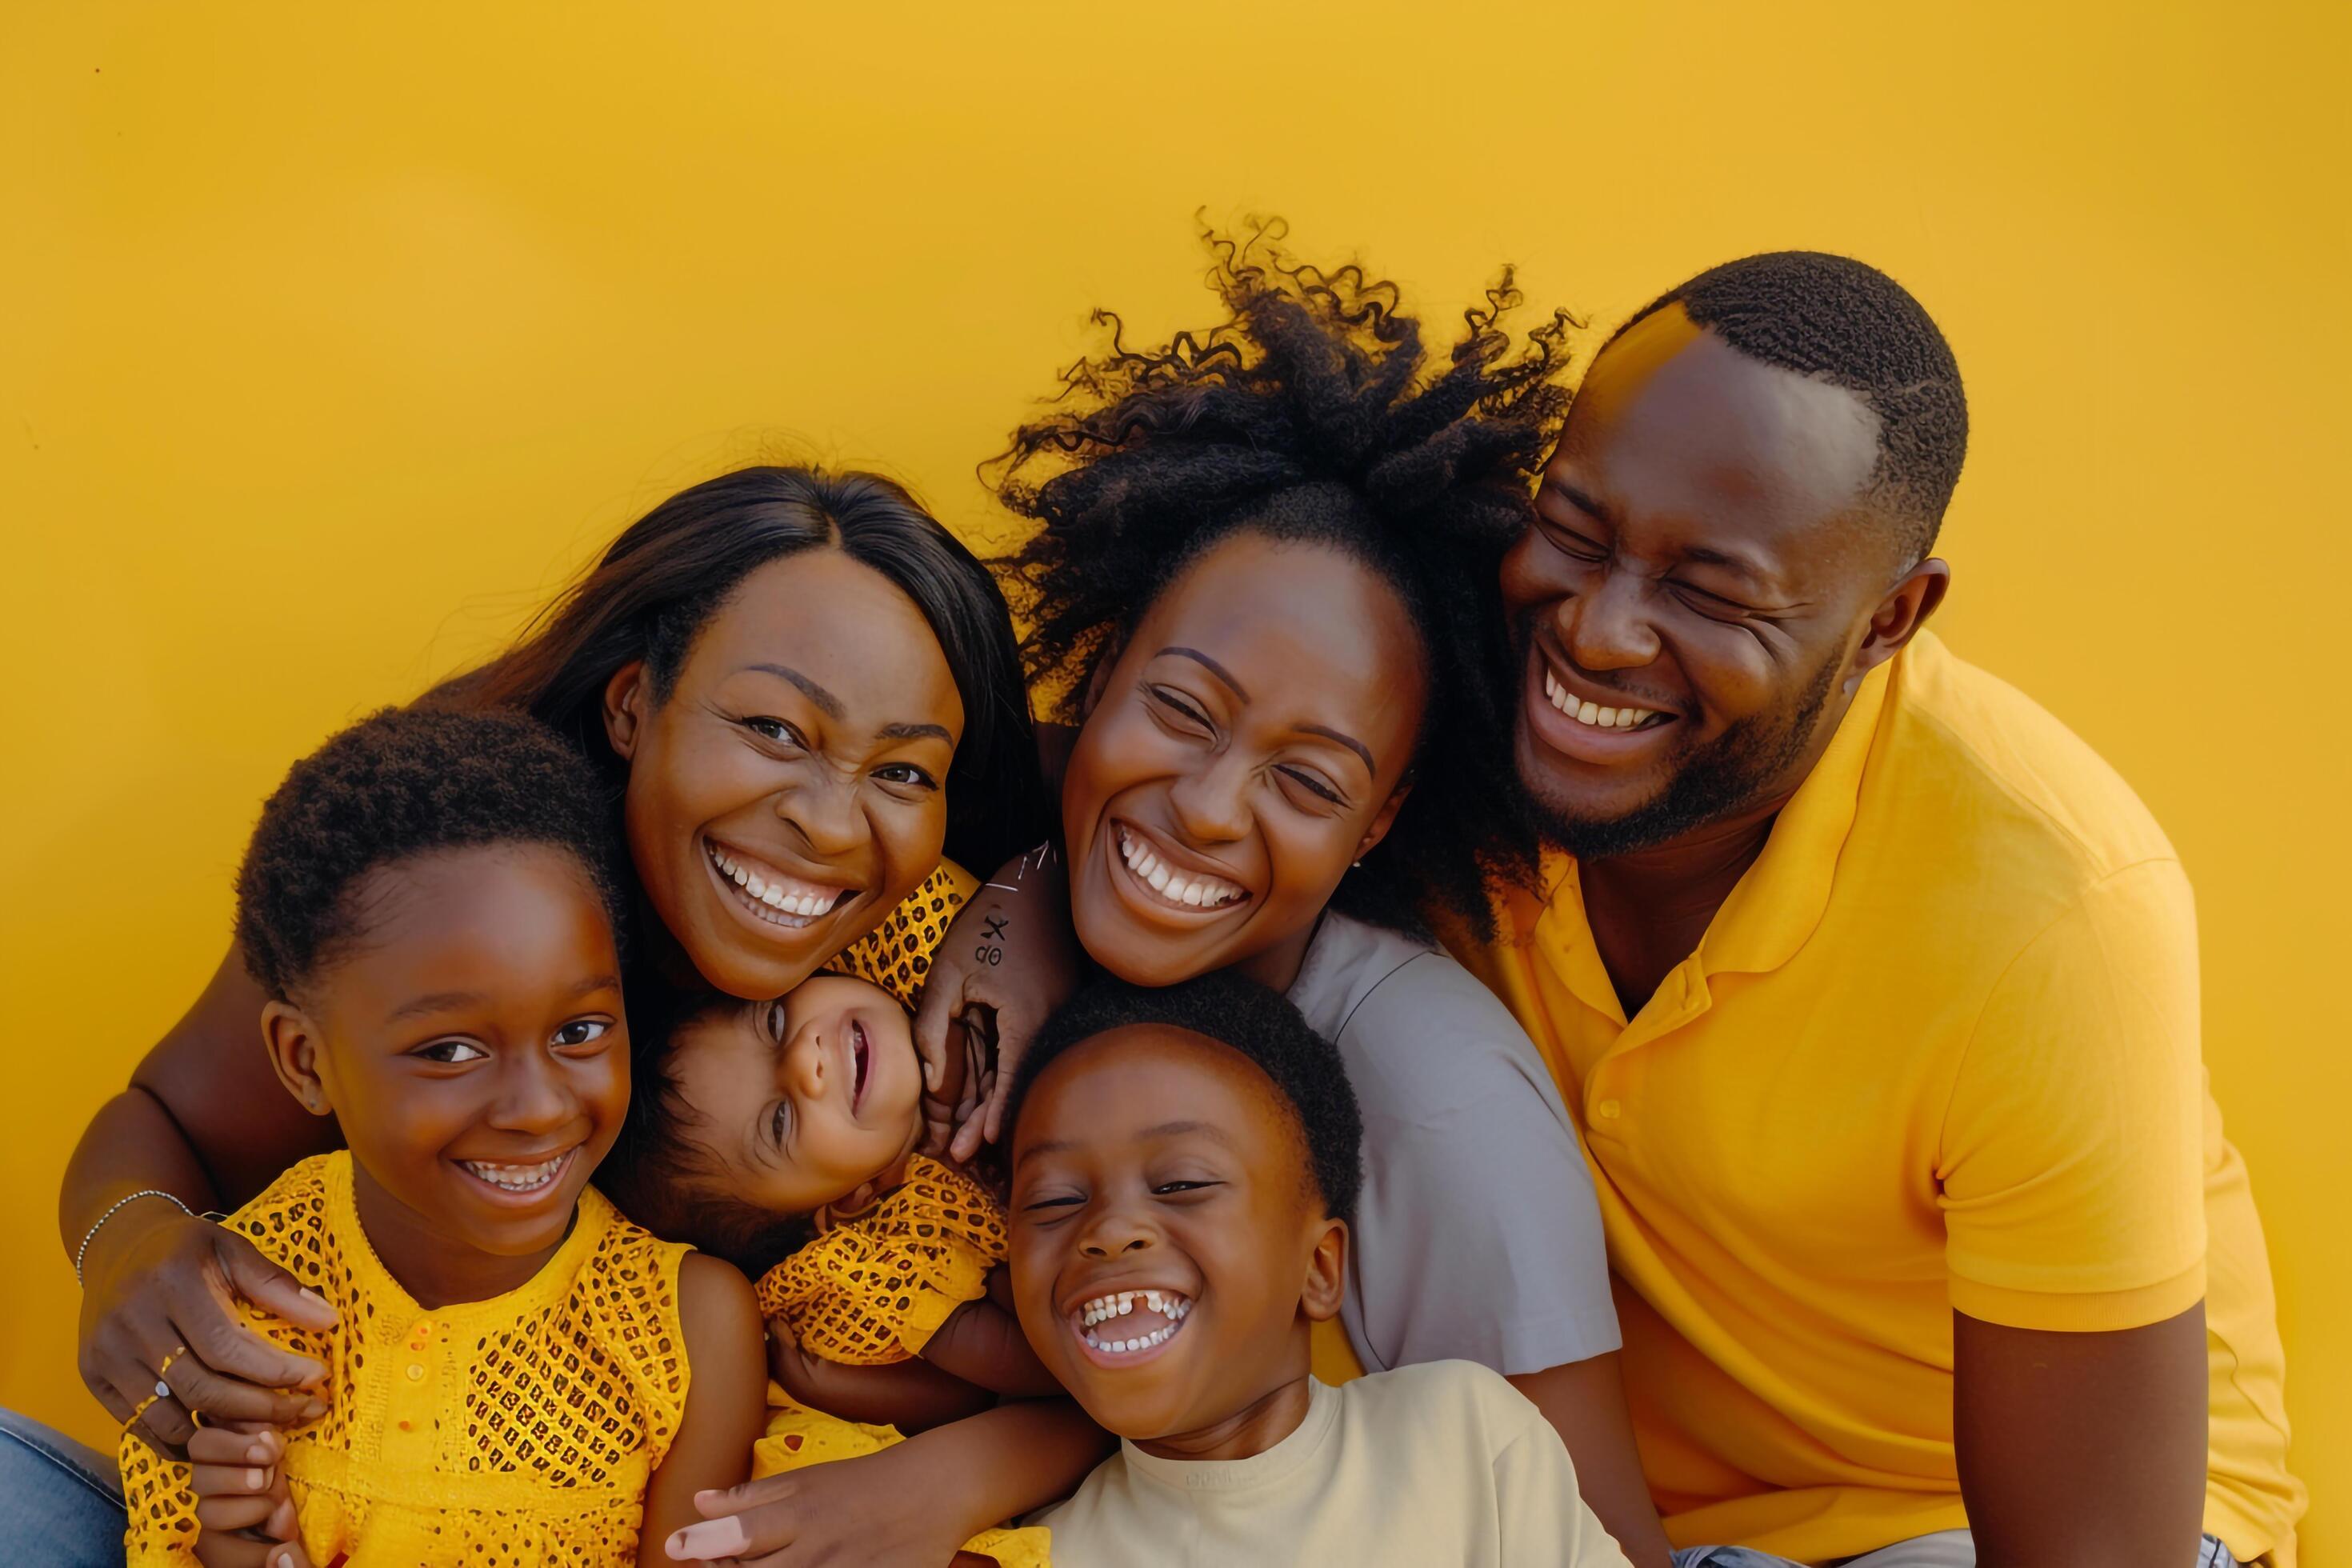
point(333, 337)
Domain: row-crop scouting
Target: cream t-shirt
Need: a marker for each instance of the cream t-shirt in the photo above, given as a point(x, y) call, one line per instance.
point(1436, 1464)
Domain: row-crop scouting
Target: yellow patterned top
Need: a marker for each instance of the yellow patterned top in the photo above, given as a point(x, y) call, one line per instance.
point(509, 1433)
point(896, 954)
point(874, 1289)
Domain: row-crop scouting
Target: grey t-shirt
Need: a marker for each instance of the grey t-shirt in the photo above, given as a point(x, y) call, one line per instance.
point(1477, 1237)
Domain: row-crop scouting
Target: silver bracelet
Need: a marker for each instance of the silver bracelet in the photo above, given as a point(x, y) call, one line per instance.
point(89, 1236)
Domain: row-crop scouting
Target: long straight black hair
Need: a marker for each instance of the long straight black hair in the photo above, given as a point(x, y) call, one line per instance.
point(660, 581)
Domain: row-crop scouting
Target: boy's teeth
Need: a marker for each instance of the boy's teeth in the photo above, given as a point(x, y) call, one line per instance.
point(1121, 1347)
point(1591, 713)
point(1102, 1309)
point(1195, 891)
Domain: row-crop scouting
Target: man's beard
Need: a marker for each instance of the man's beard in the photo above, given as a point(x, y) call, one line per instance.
point(1728, 775)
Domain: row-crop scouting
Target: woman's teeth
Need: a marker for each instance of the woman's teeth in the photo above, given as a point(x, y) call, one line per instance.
point(1590, 713)
point(800, 903)
point(519, 1178)
point(1168, 1304)
point(1194, 891)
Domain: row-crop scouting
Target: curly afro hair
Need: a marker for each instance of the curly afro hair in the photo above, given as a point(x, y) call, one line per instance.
point(402, 782)
point(1846, 323)
point(1312, 414)
point(1244, 1017)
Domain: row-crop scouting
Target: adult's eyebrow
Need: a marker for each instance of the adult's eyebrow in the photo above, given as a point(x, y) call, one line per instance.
point(914, 732)
point(1350, 741)
point(826, 702)
point(1705, 556)
point(832, 707)
point(1210, 665)
point(1579, 498)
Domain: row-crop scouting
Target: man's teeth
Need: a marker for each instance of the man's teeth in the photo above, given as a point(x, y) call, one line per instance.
point(1104, 1308)
point(1197, 891)
point(517, 1178)
point(803, 899)
point(1600, 718)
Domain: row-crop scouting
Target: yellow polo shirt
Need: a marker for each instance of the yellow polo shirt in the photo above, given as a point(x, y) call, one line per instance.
point(1938, 1050)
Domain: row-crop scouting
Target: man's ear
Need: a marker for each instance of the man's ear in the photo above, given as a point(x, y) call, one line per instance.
point(1327, 1272)
point(292, 1040)
point(625, 700)
point(1898, 617)
point(1384, 818)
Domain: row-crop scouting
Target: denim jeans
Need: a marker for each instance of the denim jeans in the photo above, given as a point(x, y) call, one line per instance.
point(1945, 1549)
point(60, 1503)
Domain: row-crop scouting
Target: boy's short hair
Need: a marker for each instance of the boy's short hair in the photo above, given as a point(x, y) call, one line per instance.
point(1246, 1017)
point(658, 1173)
point(403, 783)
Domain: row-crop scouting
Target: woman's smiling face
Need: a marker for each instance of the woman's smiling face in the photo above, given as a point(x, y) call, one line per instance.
point(1247, 745)
point(790, 789)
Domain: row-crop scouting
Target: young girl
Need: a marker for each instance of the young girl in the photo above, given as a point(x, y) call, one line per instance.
point(788, 1129)
point(515, 1373)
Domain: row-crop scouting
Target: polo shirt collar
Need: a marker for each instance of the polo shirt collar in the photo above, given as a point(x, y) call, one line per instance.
point(1779, 901)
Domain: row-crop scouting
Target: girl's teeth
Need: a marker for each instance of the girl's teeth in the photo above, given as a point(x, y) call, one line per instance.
point(516, 1178)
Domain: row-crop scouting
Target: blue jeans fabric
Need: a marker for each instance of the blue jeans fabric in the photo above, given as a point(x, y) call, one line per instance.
point(61, 1502)
point(1945, 1549)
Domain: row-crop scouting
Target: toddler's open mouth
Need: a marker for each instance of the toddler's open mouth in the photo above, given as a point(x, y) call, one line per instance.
point(861, 1059)
point(1123, 1326)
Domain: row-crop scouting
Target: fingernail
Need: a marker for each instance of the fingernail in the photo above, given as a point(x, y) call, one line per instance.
point(258, 1453)
point(314, 1408)
point(712, 1538)
point(253, 1480)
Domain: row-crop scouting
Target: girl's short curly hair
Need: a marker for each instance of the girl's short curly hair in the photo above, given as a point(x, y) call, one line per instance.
point(1311, 414)
point(400, 783)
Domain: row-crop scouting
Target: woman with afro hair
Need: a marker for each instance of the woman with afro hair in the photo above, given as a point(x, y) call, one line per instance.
point(1264, 585)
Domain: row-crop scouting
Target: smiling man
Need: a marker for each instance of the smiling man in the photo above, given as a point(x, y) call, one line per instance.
point(1872, 989)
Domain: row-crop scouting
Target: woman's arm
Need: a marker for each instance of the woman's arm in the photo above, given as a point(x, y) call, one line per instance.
point(1585, 1403)
point(1478, 1234)
point(909, 1506)
point(206, 1121)
point(726, 1400)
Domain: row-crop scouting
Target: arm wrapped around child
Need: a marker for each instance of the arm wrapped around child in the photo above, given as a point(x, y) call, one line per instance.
point(892, 1320)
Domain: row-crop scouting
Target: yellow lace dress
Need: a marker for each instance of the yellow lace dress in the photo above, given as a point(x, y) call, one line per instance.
point(518, 1432)
point(896, 954)
point(873, 1289)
